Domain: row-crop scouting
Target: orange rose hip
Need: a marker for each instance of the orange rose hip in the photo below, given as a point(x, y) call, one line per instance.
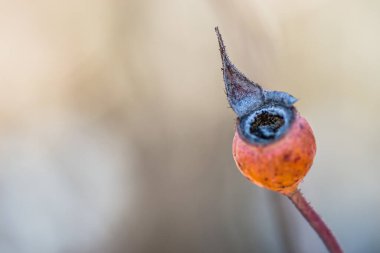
point(281, 165)
point(274, 146)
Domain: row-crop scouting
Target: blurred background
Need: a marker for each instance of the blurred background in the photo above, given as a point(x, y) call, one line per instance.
point(116, 133)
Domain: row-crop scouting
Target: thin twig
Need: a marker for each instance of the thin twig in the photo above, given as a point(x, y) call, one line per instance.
point(315, 221)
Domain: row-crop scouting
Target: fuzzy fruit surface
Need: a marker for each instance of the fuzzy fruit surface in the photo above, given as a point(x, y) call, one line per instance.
point(281, 165)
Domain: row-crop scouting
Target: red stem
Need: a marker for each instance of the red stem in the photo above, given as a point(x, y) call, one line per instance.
point(315, 221)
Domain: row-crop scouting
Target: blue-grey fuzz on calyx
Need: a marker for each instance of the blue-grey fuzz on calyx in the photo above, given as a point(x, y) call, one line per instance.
point(245, 96)
point(263, 116)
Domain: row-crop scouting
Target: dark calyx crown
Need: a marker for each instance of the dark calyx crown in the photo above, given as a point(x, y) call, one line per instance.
point(263, 116)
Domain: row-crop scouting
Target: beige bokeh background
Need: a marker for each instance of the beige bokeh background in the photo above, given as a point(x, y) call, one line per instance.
point(116, 133)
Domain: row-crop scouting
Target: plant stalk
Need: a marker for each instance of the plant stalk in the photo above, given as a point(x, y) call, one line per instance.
point(315, 221)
